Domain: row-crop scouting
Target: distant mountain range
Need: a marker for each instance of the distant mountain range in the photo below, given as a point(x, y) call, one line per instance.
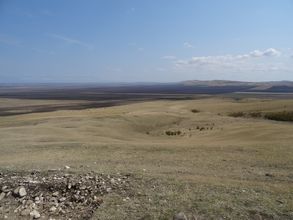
point(270, 86)
point(92, 91)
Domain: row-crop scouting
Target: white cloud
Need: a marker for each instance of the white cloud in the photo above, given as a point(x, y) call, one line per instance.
point(271, 52)
point(71, 41)
point(256, 64)
point(255, 53)
point(169, 57)
point(187, 45)
point(228, 60)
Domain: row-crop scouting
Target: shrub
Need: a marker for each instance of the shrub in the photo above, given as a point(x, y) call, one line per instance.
point(237, 114)
point(172, 133)
point(168, 133)
point(195, 111)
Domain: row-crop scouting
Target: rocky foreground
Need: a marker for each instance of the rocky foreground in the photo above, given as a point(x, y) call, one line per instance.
point(55, 194)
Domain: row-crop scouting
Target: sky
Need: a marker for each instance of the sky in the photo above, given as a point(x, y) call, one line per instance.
point(101, 41)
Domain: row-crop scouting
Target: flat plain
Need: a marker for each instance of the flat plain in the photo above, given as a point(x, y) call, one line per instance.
point(186, 156)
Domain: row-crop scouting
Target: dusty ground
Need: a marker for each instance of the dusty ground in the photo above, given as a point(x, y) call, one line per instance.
point(219, 167)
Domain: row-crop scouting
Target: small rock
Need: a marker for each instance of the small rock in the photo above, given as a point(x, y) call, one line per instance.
point(82, 187)
point(15, 191)
point(67, 167)
point(53, 209)
point(126, 199)
point(28, 202)
point(98, 200)
point(25, 212)
point(35, 214)
point(55, 194)
point(269, 175)
point(61, 211)
point(2, 195)
point(280, 201)
point(20, 191)
point(5, 189)
point(180, 216)
point(62, 199)
point(113, 181)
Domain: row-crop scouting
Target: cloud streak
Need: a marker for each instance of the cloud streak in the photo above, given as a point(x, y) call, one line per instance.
point(73, 41)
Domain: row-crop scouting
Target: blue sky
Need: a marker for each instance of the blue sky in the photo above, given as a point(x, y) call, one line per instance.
point(145, 40)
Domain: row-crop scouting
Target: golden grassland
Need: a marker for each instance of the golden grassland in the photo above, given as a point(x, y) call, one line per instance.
point(217, 167)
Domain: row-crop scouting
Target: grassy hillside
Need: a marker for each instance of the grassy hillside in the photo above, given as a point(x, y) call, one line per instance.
point(216, 167)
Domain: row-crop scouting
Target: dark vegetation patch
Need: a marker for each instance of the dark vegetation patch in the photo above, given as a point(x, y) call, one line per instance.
point(202, 128)
point(91, 97)
point(95, 92)
point(236, 114)
point(280, 116)
point(255, 114)
point(195, 111)
point(8, 111)
point(276, 89)
point(276, 116)
point(173, 133)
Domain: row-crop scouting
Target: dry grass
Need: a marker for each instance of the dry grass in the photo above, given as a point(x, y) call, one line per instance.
point(235, 168)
